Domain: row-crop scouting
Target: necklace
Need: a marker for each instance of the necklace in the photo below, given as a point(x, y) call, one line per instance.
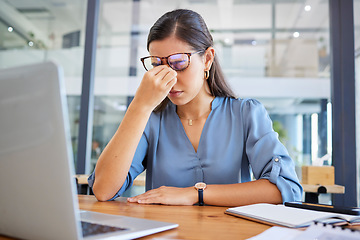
point(190, 121)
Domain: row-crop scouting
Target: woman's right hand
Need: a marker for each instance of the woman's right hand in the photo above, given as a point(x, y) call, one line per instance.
point(155, 86)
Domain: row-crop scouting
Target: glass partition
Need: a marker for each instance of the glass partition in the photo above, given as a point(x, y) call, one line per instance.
point(38, 31)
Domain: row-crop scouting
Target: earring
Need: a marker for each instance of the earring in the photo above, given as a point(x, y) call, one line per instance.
point(206, 74)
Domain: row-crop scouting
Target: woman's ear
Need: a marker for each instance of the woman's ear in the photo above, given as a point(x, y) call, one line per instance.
point(209, 57)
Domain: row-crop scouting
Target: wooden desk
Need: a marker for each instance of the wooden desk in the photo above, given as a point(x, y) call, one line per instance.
point(195, 222)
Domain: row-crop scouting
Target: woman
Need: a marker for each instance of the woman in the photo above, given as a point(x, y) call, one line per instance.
point(197, 142)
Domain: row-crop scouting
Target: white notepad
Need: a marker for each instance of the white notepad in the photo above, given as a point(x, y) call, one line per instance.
point(288, 216)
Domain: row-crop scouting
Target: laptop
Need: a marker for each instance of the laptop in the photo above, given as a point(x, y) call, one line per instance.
point(38, 198)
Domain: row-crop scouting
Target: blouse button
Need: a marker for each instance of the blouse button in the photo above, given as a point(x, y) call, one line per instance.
point(276, 159)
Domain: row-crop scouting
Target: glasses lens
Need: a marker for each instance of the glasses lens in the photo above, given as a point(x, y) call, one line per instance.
point(178, 61)
point(151, 62)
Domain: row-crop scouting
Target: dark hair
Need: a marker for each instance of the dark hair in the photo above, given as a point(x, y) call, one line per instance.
point(190, 27)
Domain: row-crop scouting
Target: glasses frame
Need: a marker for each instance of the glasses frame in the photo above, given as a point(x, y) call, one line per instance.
point(167, 59)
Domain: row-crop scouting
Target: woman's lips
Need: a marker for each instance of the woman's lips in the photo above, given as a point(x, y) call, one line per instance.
point(174, 93)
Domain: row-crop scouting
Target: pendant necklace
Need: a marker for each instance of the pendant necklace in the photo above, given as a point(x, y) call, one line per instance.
point(190, 121)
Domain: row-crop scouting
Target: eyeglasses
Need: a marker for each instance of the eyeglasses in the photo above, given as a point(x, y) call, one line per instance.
point(177, 61)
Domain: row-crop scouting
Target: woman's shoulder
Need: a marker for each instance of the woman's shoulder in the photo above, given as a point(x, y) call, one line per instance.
point(241, 104)
point(248, 101)
point(249, 111)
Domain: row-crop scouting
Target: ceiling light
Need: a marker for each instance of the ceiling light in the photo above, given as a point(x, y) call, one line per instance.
point(10, 29)
point(253, 42)
point(307, 8)
point(227, 41)
point(296, 34)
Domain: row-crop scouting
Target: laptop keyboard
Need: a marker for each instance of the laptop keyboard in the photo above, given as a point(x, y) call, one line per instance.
point(89, 229)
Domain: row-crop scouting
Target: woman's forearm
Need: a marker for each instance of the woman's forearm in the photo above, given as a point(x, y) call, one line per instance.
point(260, 191)
point(114, 162)
point(242, 193)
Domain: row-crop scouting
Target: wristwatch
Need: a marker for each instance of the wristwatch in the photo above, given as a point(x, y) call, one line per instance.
point(200, 187)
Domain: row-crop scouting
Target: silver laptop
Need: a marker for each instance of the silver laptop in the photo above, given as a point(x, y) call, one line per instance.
point(37, 188)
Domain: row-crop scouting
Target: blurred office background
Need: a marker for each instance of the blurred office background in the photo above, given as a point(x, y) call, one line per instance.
point(275, 51)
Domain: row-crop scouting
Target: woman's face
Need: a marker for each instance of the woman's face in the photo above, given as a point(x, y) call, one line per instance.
point(190, 82)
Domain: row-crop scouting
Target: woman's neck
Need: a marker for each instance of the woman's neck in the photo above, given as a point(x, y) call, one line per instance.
point(195, 109)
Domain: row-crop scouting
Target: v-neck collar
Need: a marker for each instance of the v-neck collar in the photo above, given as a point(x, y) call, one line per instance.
point(214, 104)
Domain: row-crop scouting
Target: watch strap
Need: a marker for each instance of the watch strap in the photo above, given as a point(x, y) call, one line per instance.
point(201, 198)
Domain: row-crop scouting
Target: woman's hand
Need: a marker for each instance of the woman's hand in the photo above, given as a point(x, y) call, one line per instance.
point(155, 86)
point(168, 196)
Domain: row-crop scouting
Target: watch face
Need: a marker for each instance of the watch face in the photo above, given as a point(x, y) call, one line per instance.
point(200, 185)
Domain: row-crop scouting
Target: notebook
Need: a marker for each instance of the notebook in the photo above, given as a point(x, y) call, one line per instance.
point(317, 231)
point(289, 217)
point(38, 193)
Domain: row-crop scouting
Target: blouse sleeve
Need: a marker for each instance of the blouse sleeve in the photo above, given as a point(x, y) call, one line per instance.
point(267, 156)
point(138, 165)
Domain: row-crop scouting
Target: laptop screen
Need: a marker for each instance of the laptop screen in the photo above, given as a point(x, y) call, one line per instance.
point(36, 164)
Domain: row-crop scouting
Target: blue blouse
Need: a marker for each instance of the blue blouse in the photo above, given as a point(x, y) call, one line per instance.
point(237, 138)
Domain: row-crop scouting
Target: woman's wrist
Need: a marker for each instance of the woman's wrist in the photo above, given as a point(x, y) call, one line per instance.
point(193, 195)
point(140, 108)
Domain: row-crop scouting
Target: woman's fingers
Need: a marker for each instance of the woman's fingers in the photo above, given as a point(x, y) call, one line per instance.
point(156, 85)
point(149, 194)
point(165, 75)
point(147, 197)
